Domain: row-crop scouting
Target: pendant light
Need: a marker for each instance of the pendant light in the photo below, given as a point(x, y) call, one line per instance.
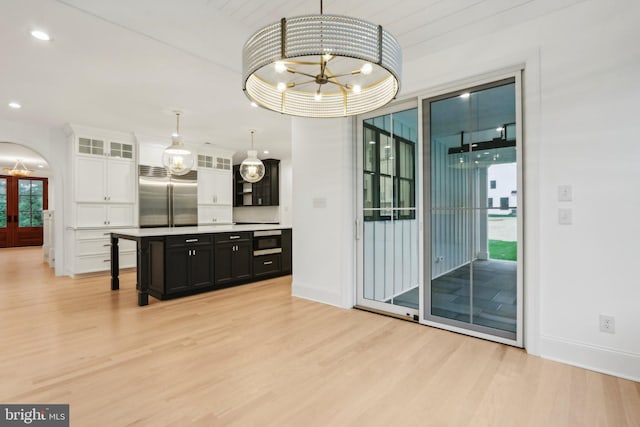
point(321, 66)
point(19, 169)
point(252, 168)
point(176, 158)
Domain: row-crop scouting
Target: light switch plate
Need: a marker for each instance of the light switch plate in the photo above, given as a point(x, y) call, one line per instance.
point(565, 216)
point(565, 193)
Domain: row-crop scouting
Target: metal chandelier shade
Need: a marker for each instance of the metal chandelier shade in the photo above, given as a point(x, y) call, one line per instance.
point(321, 66)
point(252, 168)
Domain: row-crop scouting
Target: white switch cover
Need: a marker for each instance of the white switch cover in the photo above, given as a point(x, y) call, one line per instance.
point(564, 193)
point(565, 216)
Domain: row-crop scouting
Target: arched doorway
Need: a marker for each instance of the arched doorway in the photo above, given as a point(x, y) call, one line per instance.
point(23, 196)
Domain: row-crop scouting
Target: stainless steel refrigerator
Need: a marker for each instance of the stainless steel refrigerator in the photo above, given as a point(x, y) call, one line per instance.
point(167, 201)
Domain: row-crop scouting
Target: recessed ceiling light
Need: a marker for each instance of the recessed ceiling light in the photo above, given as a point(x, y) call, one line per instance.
point(465, 95)
point(15, 105)
point(40, 166)
point(254, 105)
point(41, 35)
point(265, 152)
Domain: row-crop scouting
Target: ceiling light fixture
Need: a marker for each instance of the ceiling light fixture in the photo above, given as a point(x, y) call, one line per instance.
point(19, 169)
point(252, 168)
point(15, 105)
point(321, 66)
point(41, 35)
point(176, 158)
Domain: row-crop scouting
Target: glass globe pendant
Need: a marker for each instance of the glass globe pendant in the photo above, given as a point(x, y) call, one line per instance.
point(252, 168)
point(176, 158)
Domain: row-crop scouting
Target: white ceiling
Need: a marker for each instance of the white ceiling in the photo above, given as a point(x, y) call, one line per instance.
point(128, 64)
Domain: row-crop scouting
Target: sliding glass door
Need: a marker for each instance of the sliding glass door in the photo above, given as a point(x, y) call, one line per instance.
point(472, 198)
point(388, 221)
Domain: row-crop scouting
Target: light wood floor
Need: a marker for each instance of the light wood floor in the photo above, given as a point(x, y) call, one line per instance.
point(254, 356)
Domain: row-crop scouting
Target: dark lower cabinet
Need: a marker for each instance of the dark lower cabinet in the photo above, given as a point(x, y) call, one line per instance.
point(184, 265)
point(189, 263)
point(267, 265)
point(233, 257)
point(287, 251)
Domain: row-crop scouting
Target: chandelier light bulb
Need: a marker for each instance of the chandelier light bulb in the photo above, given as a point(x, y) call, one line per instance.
point(317, 96)
point(280, 67)
point(282, 86)
point(357, 89)
point(366, 69)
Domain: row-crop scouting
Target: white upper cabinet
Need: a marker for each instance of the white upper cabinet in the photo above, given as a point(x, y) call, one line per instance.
point(215, 180)
point(105, 172)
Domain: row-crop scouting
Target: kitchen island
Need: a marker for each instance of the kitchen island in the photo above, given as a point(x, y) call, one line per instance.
point(179, 261)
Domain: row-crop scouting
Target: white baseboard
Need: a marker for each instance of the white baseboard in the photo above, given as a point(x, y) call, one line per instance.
point(302, 290)
point(600, 359)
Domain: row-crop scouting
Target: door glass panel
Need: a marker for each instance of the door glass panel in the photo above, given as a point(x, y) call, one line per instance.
point(3, 203)
point(30, 203)
point(390, 237)
point(473, 209)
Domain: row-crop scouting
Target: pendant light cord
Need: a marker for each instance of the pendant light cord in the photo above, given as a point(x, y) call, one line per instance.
point(320, 7)
point(178, 124)
point(252, 140)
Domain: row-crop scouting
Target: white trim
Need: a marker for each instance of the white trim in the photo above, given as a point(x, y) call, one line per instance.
point(311, 293)
point(595, 358)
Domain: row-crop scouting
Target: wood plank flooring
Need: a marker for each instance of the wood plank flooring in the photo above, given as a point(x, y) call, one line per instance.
point(255, 356)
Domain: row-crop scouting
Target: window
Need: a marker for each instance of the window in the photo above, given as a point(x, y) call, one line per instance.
point(389, 174)
point(492, 184)
point(490, 203)
point(504, 203)
point(30, 198)
point(3, 203)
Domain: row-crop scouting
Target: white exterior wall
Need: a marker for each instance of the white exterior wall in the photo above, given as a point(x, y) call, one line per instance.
point(580, 94)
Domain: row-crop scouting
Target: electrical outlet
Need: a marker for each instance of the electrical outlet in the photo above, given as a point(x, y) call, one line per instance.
point(565, 216)
point(607, 324)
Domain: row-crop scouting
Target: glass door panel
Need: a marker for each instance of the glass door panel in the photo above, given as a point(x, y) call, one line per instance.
point(471, 205)
point(390, 232)
point(22, 201)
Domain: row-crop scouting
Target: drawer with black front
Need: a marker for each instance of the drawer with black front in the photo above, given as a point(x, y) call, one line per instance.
point(266, 265)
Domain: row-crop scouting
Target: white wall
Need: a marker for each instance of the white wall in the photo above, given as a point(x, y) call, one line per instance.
point(580, 128)
point(50, 143)
point(580, 105)
point(323, 210)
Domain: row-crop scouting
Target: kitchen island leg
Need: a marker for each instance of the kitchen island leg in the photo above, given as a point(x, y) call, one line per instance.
point(143, 272)
point(115, 264)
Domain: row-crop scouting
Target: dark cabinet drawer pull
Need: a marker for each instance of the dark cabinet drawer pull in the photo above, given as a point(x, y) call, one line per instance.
point(268, 262)
point(233, 237)
point(191, 240)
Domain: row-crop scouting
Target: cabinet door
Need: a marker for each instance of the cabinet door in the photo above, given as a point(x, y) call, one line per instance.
point(121, 179)
point(215, 214)
point(90, 215)
point(242, 260)
point(223, 259)
point(177, 269)
point(201, 266)
point(286, 251)
point(120, 215)
point(90, 179)
point(224, 188)
point(206, 187)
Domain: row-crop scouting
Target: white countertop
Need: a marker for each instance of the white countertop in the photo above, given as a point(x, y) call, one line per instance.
point(201, 229)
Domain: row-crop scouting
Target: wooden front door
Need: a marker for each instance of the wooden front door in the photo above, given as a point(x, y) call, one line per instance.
point(22, 201)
